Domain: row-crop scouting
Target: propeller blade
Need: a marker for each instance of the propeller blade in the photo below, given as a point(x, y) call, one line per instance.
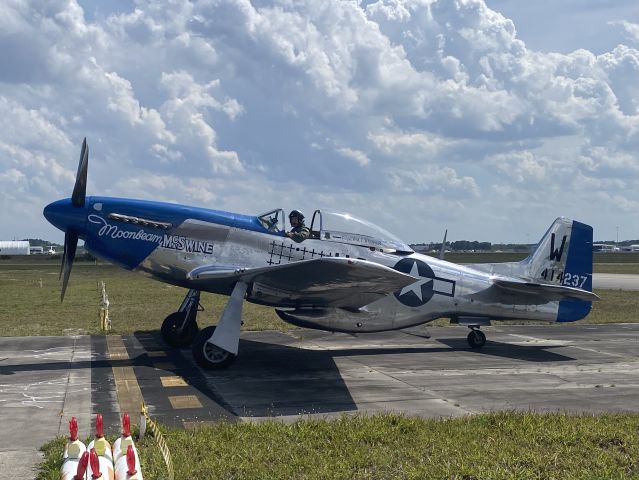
point(80, 188)
point(70, 245)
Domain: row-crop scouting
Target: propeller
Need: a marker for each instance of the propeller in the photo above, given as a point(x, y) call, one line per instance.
point(80, 187)
point(77, 200)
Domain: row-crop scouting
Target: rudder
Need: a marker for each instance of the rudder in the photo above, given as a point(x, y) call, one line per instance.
point(564, 257)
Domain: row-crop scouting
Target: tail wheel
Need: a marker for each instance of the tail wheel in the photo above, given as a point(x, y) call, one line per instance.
point(209, 356)
point(171, 330)
point(476, 339)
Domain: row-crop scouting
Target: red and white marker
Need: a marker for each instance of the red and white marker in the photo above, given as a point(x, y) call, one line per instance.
point(100, 467)
point(128, 466)
point(73, 454)
point(122, 443)
point(75, 469)
point(101, 445)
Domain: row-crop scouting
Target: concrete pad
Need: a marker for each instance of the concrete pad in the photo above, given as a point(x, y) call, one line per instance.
point(44, 381)
point(577, 368)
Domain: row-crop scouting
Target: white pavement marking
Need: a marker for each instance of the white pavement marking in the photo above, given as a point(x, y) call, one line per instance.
point(560, 343)
point(528, 340)
point(596, 350)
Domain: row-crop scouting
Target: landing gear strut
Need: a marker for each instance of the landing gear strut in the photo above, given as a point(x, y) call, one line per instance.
point(476, 338)
point(179, 328)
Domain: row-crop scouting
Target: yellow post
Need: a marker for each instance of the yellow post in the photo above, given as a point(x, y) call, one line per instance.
point(105, 321)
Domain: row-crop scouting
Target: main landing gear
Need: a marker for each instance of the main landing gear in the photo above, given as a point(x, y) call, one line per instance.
point(208, 355)
point(179, 328)
point(216, 347)
point(476, 338)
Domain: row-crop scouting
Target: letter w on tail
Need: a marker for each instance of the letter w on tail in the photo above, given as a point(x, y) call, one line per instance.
point(555, 254)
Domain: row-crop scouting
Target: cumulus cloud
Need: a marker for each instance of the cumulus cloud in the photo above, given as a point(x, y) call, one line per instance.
point(356, 156)
point(521, 166)
point(433, 179)
point(630, 29)
point(316, 103)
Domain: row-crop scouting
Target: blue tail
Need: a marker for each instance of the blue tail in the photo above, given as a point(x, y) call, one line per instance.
point(564, 257)
point(578, 273)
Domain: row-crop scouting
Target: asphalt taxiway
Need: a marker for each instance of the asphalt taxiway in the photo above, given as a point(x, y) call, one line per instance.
point(426, 371)
point(615, 281)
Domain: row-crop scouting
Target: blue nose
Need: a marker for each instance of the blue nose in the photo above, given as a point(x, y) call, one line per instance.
point(63, 215)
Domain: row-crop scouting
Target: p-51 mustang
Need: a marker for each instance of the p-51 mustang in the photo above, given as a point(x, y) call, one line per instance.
point(348, 276)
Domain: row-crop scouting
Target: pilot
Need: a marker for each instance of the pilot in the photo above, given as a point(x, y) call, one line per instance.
point(299, 232)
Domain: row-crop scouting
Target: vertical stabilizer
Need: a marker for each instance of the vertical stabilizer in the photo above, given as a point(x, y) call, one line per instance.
point(564, 257)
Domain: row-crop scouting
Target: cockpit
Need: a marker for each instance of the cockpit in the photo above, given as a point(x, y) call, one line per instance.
point(340, 228)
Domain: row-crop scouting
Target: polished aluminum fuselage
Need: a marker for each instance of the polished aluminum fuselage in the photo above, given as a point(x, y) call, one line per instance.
point(446, 290)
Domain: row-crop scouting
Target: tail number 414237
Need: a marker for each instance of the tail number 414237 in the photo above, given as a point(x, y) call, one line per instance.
point(565, 278)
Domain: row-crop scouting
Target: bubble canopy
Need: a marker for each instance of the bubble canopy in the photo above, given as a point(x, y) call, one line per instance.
point(346, 228)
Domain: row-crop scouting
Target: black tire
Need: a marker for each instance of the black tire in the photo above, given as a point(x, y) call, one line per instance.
point(207, 355)
point(170, 327)
point(476, 339)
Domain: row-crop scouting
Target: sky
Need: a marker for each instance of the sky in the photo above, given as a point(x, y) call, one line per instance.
point(486, 118)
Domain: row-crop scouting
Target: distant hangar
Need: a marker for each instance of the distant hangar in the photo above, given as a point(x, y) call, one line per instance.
point(14, 247)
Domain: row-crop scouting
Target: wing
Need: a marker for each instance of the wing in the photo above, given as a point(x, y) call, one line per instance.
point(548, 292)
point(324, 282)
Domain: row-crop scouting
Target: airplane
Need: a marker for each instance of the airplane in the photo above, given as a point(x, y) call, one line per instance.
point(349, 275)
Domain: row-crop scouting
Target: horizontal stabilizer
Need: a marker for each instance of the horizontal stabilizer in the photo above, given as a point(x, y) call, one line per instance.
point(324, 282)
point(549, 292)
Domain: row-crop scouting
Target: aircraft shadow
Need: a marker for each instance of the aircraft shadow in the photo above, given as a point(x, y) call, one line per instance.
point(528, 353)
point(270, 379)
point(266, 380)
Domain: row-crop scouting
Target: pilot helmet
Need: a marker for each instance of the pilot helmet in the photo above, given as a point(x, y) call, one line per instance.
point(296, 213)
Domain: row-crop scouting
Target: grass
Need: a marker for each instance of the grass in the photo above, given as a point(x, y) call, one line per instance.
point(615, 306)
point(30, 302)
point(137, 303)
point(504, 445)
point(632, 268)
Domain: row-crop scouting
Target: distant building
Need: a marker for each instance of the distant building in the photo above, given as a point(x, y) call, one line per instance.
point(603, 247)
point(14, 247)
point(36, 250)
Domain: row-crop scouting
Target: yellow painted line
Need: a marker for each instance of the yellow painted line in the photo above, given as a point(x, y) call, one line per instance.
point(116, 348)
point(126, 383)
point(173, 381)
point(185, 401)
point(156, 354)
point(164, 366)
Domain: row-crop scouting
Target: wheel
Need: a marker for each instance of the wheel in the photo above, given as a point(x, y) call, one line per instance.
point(476, 339)
point(170, 329)
point(209, 356)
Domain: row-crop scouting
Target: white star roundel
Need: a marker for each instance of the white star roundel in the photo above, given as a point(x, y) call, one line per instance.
point(420, 292)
